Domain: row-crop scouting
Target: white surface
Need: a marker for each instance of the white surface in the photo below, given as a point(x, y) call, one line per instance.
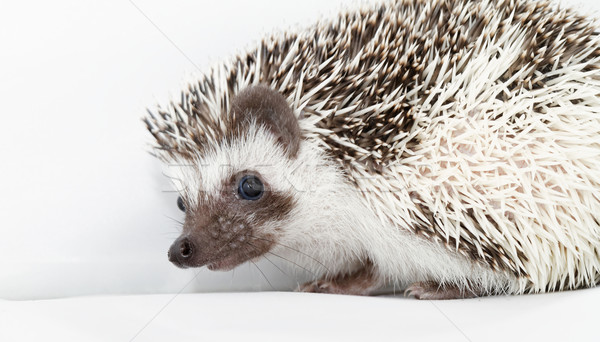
point(271, 316)
point(81, 207)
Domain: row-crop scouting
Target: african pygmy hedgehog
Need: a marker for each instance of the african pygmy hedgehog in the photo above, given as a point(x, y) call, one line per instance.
point(450, 148)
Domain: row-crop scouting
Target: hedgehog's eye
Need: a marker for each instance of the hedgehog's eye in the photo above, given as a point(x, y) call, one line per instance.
point(180, 204)
point(250, 188)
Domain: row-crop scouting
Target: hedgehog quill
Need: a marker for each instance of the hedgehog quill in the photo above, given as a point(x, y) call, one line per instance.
point(449, 148)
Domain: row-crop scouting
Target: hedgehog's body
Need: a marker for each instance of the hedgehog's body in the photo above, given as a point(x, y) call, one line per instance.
point(440, 143)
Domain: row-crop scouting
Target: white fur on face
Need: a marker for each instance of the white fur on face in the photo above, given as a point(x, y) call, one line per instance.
point(256, 151)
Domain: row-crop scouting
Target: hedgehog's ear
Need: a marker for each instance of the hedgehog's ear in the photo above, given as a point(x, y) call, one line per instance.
point(268, 108)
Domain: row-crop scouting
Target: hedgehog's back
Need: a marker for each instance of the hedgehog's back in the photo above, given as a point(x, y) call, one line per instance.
point(480, 117)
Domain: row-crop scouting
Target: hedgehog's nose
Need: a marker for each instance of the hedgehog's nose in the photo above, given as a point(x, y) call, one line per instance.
point(181, 252)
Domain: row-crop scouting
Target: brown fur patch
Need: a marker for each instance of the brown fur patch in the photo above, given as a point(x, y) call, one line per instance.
point(269, 109)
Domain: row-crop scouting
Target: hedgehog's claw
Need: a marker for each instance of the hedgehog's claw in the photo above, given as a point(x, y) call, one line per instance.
point(318, 286)
point(430, 290)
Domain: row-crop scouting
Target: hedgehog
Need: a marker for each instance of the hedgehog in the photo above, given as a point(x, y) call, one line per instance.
point(450, 149)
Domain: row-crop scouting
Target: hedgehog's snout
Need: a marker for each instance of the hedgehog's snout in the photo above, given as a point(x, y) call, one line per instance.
point(181, 252)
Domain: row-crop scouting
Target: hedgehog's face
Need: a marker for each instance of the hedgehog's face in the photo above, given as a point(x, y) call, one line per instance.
point(238, 221)
point(237, 196)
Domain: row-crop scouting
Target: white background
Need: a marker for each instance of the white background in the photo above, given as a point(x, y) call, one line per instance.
point(82, 207)
point(82, 204)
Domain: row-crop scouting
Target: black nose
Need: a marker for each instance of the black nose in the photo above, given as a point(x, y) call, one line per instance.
point(181, 252)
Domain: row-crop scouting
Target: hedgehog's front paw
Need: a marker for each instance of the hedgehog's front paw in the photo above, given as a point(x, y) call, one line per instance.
point(334, 286)
point(362, 282)
point(317, 286)
point(433, 291)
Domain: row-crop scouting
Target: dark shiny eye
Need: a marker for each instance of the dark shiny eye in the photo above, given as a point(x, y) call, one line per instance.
point(250, 188)
point(180, 204)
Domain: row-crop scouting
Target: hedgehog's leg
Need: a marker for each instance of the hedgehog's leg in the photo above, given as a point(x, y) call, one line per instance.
point(361, 282)
point(433, 290)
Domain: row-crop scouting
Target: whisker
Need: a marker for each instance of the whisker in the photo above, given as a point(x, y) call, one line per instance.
point(290, 261)
point(263, 274)
point(174, 219)
point(279, 268)
point(293, 249)
point(295, 264)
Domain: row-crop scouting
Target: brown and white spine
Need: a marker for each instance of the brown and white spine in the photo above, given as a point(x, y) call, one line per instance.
point(455, 141)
